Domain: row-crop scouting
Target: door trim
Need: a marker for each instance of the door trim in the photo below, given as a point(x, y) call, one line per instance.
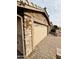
point(22, 33)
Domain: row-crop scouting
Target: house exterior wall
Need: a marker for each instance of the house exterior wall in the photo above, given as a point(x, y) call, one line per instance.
point(38, 29)
point(28, 34)
point(38, 17)
point(32, 35)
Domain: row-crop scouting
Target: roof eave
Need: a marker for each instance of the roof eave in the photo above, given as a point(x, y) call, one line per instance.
point(26, 6)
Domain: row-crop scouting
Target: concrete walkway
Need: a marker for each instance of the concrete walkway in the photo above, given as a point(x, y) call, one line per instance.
point(46, 49)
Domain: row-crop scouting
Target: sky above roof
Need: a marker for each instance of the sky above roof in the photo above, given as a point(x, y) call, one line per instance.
point(53, 9)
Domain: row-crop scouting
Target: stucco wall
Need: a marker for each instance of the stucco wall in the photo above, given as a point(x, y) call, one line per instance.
point(34, 33)
point(39, 32)
point(36, 16)
point(28, 34)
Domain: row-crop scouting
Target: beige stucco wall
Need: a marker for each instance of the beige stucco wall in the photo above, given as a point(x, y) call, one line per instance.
point(36, 32)
point(32, 34)
point(28, 34)
point(38, 17)
point(39, 32)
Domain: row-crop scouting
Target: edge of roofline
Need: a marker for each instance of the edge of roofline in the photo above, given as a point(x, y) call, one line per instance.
point(26, 6)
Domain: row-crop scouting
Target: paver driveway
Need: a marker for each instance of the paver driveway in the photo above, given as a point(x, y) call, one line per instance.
point(46, 49)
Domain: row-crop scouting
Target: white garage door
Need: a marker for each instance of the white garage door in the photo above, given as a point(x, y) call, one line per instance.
point(39, 33)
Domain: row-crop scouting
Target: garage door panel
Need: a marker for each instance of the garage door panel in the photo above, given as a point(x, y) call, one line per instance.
point(40, 32)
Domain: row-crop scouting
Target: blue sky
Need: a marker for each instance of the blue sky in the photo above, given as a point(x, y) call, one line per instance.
point(53, 9)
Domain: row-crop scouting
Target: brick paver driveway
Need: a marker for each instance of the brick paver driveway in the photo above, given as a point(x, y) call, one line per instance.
point(46, 49)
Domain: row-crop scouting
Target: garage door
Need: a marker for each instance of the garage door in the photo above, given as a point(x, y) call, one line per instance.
point(40, 32)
